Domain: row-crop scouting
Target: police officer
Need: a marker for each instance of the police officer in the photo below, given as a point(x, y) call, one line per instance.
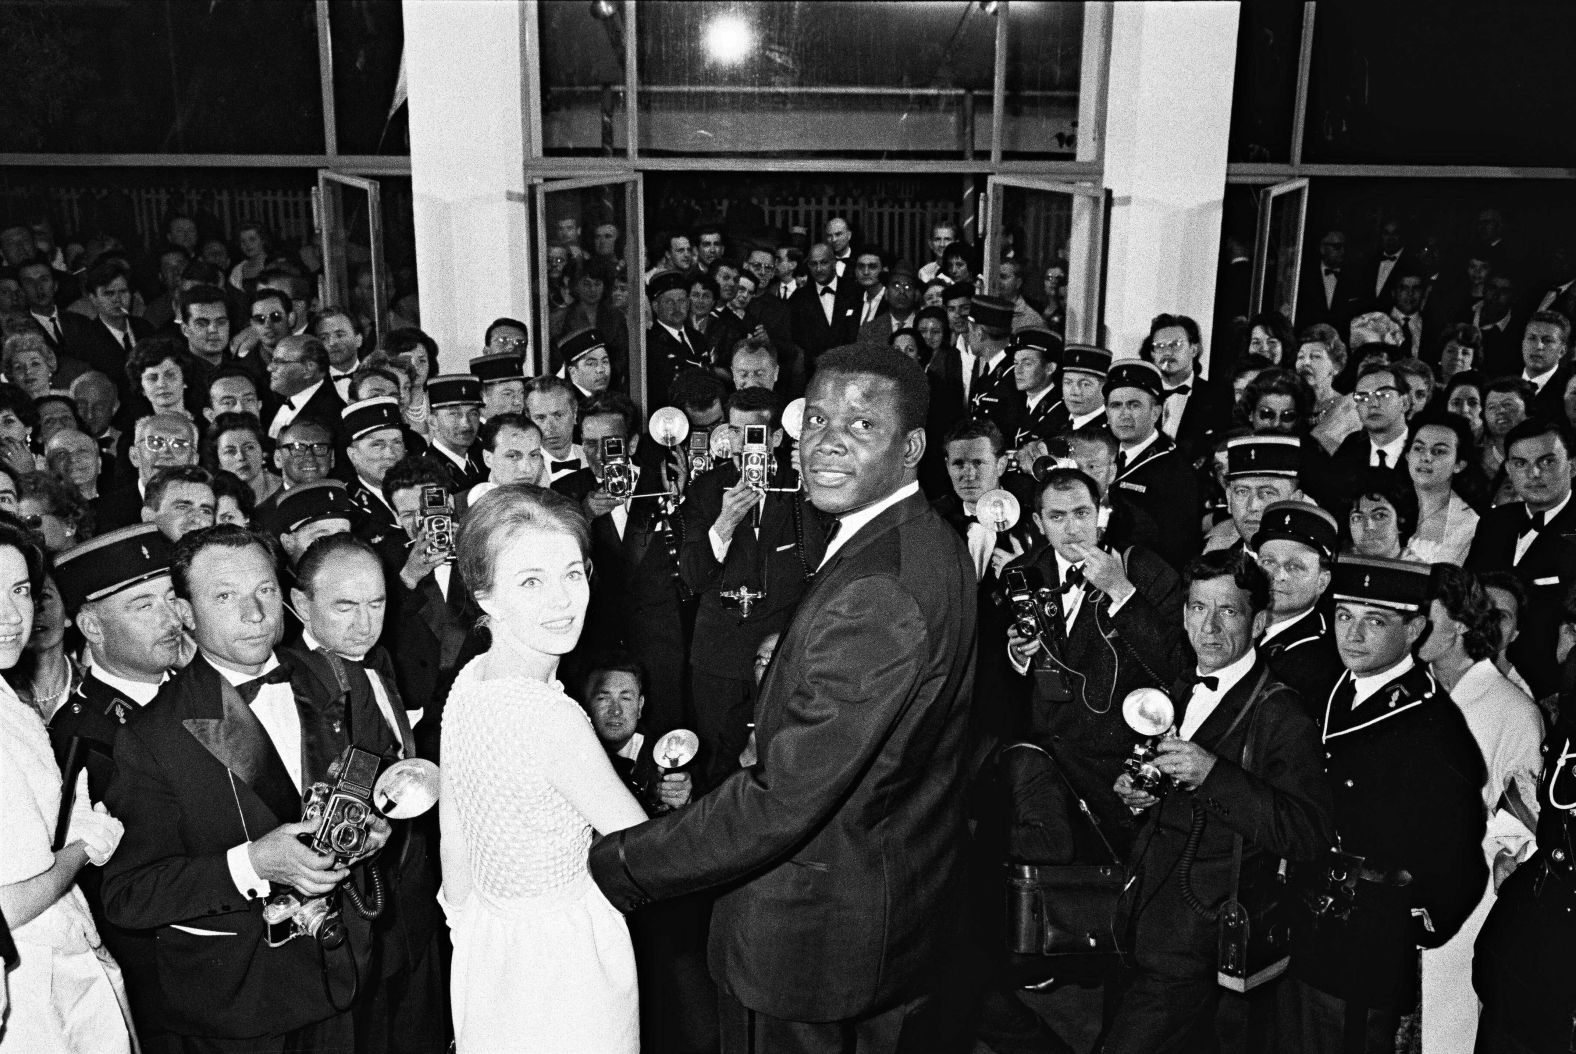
point(456, 401)
point(1407, 777)
point(1260, 471)
point(1296, 545)
point(1150, 472)
point(503, 383)
point(375, 444)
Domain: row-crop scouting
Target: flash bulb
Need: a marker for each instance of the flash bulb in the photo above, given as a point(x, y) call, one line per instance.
point(676, 749)
point(793, 418)
point(1148, 711)
point(669, 426)
point(407, 789)
point(998, 510)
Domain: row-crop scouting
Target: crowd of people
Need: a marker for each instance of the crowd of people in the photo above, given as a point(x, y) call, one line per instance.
point(886, 600)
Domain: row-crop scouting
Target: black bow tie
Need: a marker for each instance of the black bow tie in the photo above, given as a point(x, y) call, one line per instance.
point(248, 689)
point(1212, 683)
point(1392, 257)
point(827, 290)
point(1534, 522)
point(1333, 271)
point(567, 466)
point(1181, 389)
point(1074, 579)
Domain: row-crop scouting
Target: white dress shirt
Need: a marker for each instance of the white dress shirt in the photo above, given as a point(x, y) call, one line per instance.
point(1541, 379)
point(1394, 452)
point(1204, 701)
point(139, 692)
point(1367, 687)
point(275, 707)
point(1524, 541)
point(291, 409)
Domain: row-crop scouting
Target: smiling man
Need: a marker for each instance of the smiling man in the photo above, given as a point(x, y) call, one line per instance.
point(853, 804)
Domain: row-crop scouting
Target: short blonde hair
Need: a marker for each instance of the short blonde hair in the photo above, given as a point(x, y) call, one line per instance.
point(26, 340)
point(504, 512)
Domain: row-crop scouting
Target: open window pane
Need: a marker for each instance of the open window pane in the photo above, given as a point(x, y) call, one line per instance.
point(1056, 234)
point(1282, 211)
point(350, 232)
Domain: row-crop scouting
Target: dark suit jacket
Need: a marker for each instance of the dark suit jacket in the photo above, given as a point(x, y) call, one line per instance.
point(811, 332)
point(1311, 303)
point(120, 507)
point(1547, 571)
point(1370, 295)
point(94, 345)
point(425, 632)
point(1277, 801)
point(1161, 483)
point(666, 358)
point(1344, 473)
point(1035, 423)
point(774, 313)
point(1550, 402)
point(460, 480)
point(1087, 734)
point(997, 398)
point(324, 406)
point(1304, 654)
point(849, 832)
point(1424, 816)
point(1207, 414)
point(196, 775)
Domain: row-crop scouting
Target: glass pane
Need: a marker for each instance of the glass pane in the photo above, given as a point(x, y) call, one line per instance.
point(1044, 60)
point(1468, 83)
point(368, 40)
point(582, 65)
point(348, 253)
point(583, 264)
point(1283, 249)
point(812, 79)
point(1264, 90)
point(160, 76)
point(1036, 232)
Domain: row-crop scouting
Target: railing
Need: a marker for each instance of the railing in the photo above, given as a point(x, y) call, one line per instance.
point(900, 227)
point(286, 212)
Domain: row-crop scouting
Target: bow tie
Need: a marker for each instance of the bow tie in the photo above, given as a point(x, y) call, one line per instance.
point(1332, 271)
point(1392, 257)
point(828, 290)
point(1534, 522)
point(1181, 389)
point(248, 689)
point(567, 466)
point(340, 376)
point(1074, 578)
point(1210, 683)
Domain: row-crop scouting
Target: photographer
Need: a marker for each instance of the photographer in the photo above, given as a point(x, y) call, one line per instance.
point(1247, 789)
point(209, 779)
point(1116, 626)
point(749, 551)
point(635, 593)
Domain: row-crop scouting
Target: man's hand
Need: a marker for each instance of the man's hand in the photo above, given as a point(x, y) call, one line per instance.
point(1000, 558)
point(675, 789)
point(600, 502)
point(1184, 761)
point(280, 857)
point(1505, 864)
point(378, 832)
point(1103, 570)
point(244, 342)
point(1021, 646)
point(675, 471)
point(1133, 798)
point(419, 562)
point(737, 501)
point(1031, 452)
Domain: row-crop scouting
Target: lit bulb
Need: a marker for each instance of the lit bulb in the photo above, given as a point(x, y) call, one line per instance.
point(729, 39)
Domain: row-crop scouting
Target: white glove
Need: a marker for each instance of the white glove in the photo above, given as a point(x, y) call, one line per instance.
point(93, 826)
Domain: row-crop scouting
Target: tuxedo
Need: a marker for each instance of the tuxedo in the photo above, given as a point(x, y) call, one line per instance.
point(1546, 569)
point(1550, 401)
point(1304, 654)
point(1374, 294)
point(1314, 304)
point(667, 357)
point(778, 559)
point(196, 774)
point(1265, 799)
point(323, 406)
point(1161, 483)
point(1206, 412)
point(1423, 815)
point(842, 849)
point(807, 317)
point(425, 630)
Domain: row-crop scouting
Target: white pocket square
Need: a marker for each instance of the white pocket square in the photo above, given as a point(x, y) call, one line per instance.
point(195, 932)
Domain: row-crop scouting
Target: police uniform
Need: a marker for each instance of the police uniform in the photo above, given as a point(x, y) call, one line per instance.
point(374, 522)
point(1155, 477)
point(1302, 651)
point(1407, 779)
point(1079, 358)
point(1030, 422)
point(456, 389)
point(496, 369)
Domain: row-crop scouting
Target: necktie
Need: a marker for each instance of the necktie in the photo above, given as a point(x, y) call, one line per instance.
point(54, 328)
point(1121, 462)
point(125, 339)
point(1384, 459)
point(979, 372)
point(248, 689)
point(1211, 683)
point(562, 466)
point(1341, 705)
point(1332, 272)
point(869, 311)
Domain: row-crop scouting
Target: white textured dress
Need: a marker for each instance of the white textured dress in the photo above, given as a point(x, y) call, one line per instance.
point(542, 961)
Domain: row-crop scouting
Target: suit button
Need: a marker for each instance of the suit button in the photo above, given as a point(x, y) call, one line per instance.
point(1350, 784)
point(1558, 854)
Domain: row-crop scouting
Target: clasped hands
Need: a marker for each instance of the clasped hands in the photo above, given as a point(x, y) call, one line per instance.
point(93, 826)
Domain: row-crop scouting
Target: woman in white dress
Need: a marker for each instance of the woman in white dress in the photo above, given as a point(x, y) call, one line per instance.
point(1439, 452)
point(66, 992)
point(542, 961)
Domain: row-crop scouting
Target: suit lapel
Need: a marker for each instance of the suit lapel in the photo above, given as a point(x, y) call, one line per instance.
point(1543, 554)
point(237, 739)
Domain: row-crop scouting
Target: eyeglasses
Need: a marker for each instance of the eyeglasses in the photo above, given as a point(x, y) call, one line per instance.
point(1378, 395)
point(278, 360)
point(306, 448)
point(510, 343)
point(158, 444)
point(1268, 416)
point(33, 520)
point(1171, 345)
point(272, 316)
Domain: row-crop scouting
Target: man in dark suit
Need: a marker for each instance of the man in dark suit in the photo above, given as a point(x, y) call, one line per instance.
point(636, 594)
point(992, 391)
point(1383, 399)
point(107, 342)
point(897, 308)
point(63, 330)
point(347, 695)
point(210, 786)
point(772, 313)
point(456, 401)
point(159, 441)
point(749, 551)
point(848, 833)
point(672, 343)
point(1194, 410)
point(1327, 294)
point(1377, 277)
point(1118, 627)
point(1249, 792)
point(1410, 865)
point(1296, 545)
point(1545, 355)
point(1150, 471)
point(824, 312)
point(298, 375)
point(1536, 538)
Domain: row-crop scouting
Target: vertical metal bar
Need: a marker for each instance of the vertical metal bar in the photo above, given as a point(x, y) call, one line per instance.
point(380, 308)
point(1299, 116)
point(966, 119)
point(325, 76)
point(631, 84)
point(531, 81)
point(635, 316)
point(538, 251)
point(1094, 74)
point(998, 99)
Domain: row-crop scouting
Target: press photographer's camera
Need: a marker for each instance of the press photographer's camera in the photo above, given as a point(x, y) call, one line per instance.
point(1031, 605)
point(346, 821)
point(437, 519)
point(756, 456)
point(699, 452)
point(618, 479)
point(1149, 712)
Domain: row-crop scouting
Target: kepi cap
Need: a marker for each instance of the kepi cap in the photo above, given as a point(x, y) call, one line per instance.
point(1266, 455)
point(580, 344)
point(111, 562)
point(501, 366)
point(1400, 585)
point(324, 499)
point(991, 311)
point(666, 282)
point(1136, 373)
point(1298, 521)
point(454, 389)
point(1086, 358)
point(366, 416)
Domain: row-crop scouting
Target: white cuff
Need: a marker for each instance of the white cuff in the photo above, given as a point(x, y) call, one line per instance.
point(719, 548)
point(1116, 605)
point(244, 875)
point(1021, 665)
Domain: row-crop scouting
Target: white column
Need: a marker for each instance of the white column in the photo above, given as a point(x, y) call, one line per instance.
point(468, 130)
point(1168, 113)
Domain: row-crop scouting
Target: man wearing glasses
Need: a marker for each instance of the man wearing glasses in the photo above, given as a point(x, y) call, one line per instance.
point(304, 455)
point(1382, 398)
point(273, 318)
point(298, 374)
point(160, 441)
point(1193, 410)
point(507, 336)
